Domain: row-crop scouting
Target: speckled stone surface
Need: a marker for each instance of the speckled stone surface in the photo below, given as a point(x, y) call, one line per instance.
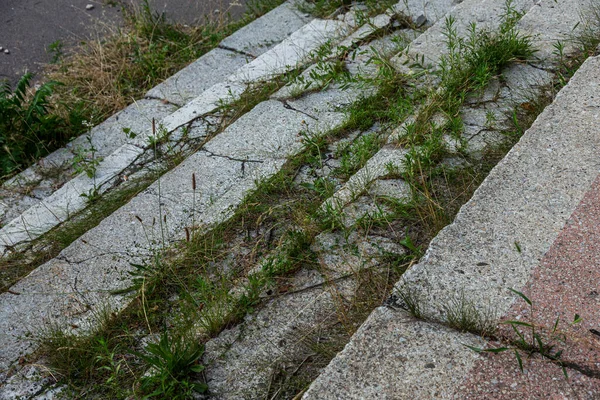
point(394, 356)
point(504, 231)
point(497, 376)
point(566, 283)
point(533, 225)
point(261, 35)
point(428, 48)
point(552, 21)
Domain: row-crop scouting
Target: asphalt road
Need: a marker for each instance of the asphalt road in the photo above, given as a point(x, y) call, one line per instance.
point(29, 27)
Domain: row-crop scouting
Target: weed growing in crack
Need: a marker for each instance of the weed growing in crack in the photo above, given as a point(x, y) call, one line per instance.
point(473, 61)
point(75, 359)
point(409, 299)
point(530, 338)
point(174, 362)
point(586, 43)
point(353, 156)
point(331, 216)
point(466, 316)
point(323, 186)
point(86, 161)
point(84, 164)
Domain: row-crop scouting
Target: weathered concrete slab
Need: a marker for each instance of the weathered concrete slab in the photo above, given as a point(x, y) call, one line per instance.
point(526, 200)
point(262, 34)
point(429, 48)
point(333, 98)
point(50, 173)
point(277, 139)
point(432, 11)
point(395, 356)
point(341, 255)
point(550, 22)
point(64, 202)
point(109, 136)
point(210, 69)
point(372, 26)
point(13, 387)
point(293, 51)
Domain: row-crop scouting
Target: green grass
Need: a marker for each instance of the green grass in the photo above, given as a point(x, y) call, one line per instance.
point(101, 77)
point(174, 361)
point(188, 288)
point(29, 125)
point(18, 264)
point(353, 156)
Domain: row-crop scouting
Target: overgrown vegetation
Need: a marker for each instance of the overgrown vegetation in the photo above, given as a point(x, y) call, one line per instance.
point(466, 69)
point(30, 126)
point(529, 338)
point(217, 277)
point(101, 77)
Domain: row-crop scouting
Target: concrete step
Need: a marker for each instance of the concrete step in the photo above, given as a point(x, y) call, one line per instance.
point(530, 227)
point(227, 168)
point(518, 84)
point(24, 197)
point(278, 337)
point(68, 288)
point(395, 356)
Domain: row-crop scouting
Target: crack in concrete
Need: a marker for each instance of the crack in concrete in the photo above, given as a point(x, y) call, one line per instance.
point(394, 303)
point(164, 101)
point(242, 160)
point(73, 262)
point(243, 53)
point(287, 106)
point(550, 70)
point(582, 369)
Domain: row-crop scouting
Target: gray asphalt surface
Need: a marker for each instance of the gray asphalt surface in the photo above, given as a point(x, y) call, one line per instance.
point(28, 27)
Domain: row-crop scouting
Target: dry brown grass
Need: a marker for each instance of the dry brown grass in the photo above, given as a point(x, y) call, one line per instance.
point(120, 64)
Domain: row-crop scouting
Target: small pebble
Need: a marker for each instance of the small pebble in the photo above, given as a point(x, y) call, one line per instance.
point(89, 7)
point(6, 51)
point(1, 48)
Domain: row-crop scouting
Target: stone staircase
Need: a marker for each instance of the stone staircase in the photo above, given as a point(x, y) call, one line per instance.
point(508, 236)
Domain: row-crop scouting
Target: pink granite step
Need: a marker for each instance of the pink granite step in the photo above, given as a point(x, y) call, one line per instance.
point(532, 227)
